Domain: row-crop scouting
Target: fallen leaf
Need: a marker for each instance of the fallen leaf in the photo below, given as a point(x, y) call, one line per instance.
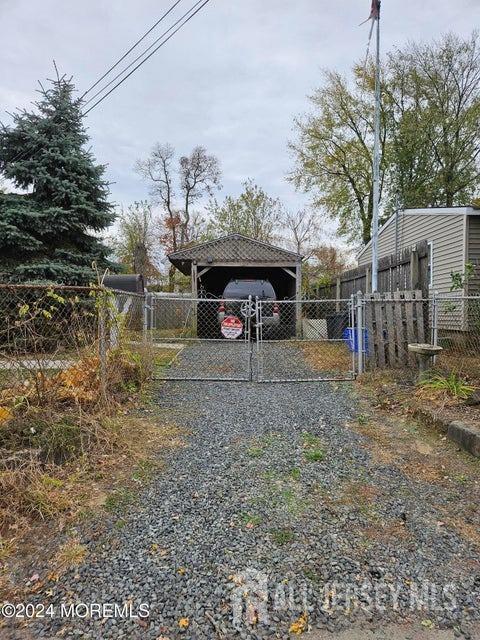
point(300, 625)
point(428, 624)
point(5, 414)
point(184, 623)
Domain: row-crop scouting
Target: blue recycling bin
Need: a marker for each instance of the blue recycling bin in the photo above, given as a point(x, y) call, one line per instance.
point(350, 336)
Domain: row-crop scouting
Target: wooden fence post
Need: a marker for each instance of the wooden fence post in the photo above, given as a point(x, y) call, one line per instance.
point(414, 270)
point(368, 280)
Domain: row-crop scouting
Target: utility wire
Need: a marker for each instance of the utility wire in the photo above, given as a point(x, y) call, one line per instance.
point(131, 48)
point(24, 154)
point(205, 2)
point(142, 54)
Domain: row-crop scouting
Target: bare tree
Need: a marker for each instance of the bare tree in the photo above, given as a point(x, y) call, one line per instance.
point(199, 176)
point(157, 170)
point(177, 189)
point(302, 231)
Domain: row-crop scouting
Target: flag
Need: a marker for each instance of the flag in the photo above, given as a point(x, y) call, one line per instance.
point(374, 15)
point(374, 11)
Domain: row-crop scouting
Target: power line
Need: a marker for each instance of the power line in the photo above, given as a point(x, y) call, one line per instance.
point(23, 155)
point(205, 2)
point(141, 55)
point(131, 48)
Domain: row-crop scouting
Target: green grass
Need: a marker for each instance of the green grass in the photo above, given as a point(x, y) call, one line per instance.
point(163, 358)
point(270, 475)
point(311, 441)
point(315, 455)
point(251, 519)
point(294, 503)
point(119, 499)
point(145, 471)
point(312, 444)
point(282, 535)
point(295, 474)
point(311, 575)
point(255, 452)
point(270, 439)
point(452, 384)
point(120, 523)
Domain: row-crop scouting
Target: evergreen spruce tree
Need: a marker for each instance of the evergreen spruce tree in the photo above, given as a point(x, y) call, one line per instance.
point(46, 231)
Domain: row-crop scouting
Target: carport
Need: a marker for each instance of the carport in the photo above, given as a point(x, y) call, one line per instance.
point(213, 264)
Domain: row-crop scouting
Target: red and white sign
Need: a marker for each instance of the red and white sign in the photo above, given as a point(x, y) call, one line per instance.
point(231, 327)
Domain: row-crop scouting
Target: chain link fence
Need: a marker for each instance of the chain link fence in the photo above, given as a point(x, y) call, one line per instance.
point(456, 328)
point(63, 340)
point(390, 324)
point(58, 337)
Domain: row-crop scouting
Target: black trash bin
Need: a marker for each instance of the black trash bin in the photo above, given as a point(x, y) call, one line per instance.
point(336, 324)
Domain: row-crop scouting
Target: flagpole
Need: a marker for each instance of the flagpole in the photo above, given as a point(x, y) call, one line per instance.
point(376, 162)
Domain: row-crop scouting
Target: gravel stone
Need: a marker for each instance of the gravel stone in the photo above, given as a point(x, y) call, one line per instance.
point(230, 503)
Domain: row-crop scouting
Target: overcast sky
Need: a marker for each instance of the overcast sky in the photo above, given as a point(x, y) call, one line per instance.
point(232, 80)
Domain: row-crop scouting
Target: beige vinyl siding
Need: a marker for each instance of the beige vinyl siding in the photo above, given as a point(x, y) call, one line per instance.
point(446, 232)
point(474, 253)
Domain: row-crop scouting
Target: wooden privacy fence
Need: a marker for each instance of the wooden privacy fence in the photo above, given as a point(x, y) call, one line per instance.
point(391, 323)
point(407, 270)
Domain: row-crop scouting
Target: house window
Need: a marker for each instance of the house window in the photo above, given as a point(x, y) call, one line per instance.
point(430, 263)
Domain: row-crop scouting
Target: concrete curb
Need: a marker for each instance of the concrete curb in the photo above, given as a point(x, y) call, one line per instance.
point(466, 437)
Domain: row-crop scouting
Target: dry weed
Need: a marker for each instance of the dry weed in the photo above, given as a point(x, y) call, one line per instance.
point(69, 555)
point(327, 356)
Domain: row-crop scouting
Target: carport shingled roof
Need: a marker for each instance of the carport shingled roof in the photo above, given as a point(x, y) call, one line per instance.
point(234, 248)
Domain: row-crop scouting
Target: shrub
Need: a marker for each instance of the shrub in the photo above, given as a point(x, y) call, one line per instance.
point(452, 384)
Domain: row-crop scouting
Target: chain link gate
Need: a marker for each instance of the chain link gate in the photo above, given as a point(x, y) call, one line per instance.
point(306, 340)
point(201, 338)
point(253, 340)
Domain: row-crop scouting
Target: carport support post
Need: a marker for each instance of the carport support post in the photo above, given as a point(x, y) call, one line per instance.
point(298, 299)
point(194, 296)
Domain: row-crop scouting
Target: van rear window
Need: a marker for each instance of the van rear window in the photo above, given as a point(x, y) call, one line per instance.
point(241, 289)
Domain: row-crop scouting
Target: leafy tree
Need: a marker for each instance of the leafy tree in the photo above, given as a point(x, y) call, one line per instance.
point(434, 92)
point(135, 243)
point(430, 139)
point(177, 189)
point(334, 151)
point(46, 232)
point(325, 263)
point(253, 213)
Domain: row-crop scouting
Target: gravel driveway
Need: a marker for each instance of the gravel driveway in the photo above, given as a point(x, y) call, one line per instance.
point(276, 512)
point(240, 360)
